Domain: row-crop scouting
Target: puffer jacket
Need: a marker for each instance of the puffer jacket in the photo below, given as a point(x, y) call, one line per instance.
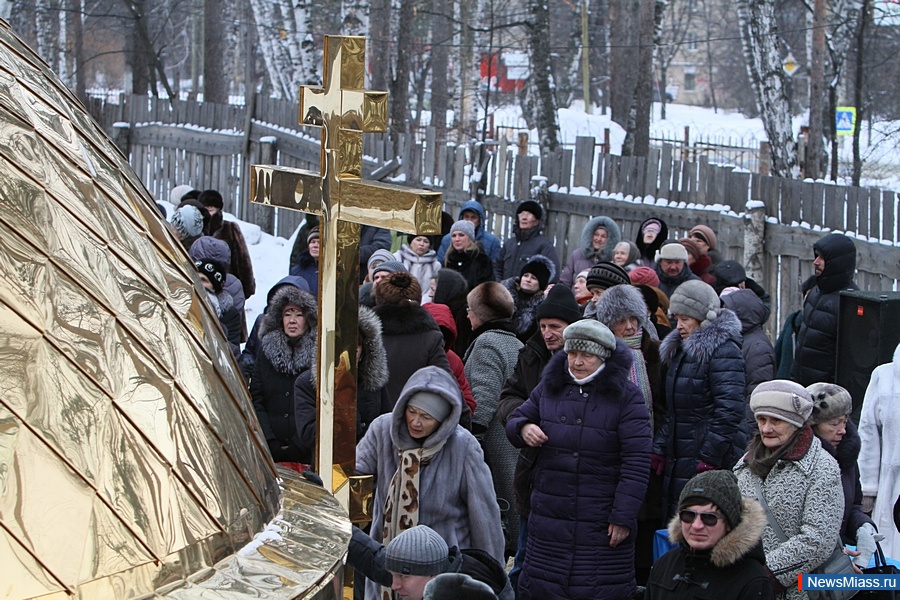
point(307, 267)
point(591, 472)
point(814, 354)
point(489, 242)
point(759, 354)
point(705, 405)
point(668, 284)
point(585, 256)
point(735, 568)
point(803, 491)
point(519, 249)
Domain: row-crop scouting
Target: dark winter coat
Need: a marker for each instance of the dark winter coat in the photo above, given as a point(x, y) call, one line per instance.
point(209, 248)
point(489, 242)
point(846, 455)
point(371, 396)
point(451, 291)
point(277, 366)
point(814, 355)
point(669, 284)
point(705, 405)
point(735, 568)
point(241, 265)
point(648, 251)
point(412, 340)
point(473, 264)
point(591, 472)
point(371, 239)
point(229, 317)
point(307, 267)
point(585, 256)
point(519, 249)
point(525, 306)
point(759, 354)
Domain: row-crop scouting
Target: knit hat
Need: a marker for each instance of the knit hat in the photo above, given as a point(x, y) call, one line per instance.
point(621, 302)
point(214, 271)
point(187, 221)
point(651, 226)
point(697, 299)
point(728, 273)
point(672, 251)
point(211, 198)
point(606, 274)
point(589, 336)
point(313, 235)
point(467, 227)
point(434, 404)
point(644, 276)
point(417, 551)
point(538, 267)
point(782, 399)
point(532, 207)
point(706, 233)
point(399, 288)
point(830, 401)
point(457, 586)
point(379, 255)
point(692, 247)
point(391, 266)
point(718, 487)
point(559, 304)
point(490, 301)
point(178, 192)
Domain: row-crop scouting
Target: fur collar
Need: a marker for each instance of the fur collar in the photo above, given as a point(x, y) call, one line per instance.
point(587, 235)
point(611, 382)
point(403, 319)
point(372, 368)
point(287, 356)
point(848, 450)
point(704, 342)
point(737, 543)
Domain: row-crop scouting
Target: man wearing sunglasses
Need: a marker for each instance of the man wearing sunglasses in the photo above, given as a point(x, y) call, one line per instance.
point(719, 552)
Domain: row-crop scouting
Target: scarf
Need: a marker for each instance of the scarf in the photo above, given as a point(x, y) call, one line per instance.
point(638, 374)
point(760, 459)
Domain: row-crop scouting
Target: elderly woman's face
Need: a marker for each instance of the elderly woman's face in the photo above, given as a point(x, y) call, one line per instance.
point(620, 254)
point(582, 364)
point(774, 432)
point(626, 327)
point(293, 321)
point(833, 431)
point(686, 325)
point(420, 423)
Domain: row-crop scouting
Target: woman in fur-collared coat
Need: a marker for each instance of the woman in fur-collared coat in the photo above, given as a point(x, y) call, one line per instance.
point(598, 242)
point(287, 347)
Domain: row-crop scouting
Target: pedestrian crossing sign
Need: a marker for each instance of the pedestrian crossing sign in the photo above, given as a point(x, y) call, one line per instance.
point(845, 120)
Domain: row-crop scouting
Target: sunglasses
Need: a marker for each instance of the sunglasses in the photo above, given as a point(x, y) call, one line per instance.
point(708, 519)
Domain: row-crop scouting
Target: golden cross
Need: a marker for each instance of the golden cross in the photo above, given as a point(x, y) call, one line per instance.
point(344, 111)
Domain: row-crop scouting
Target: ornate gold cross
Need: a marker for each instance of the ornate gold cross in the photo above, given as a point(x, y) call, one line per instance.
point(344, 111)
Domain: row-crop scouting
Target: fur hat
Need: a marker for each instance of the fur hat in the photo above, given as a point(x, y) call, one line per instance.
point(541, 267)
point(380, 255)
point(490, 301)
point(532, 207)
point(621, 302)
point(606, 274)
point(783, 400)
point(211, 198)
point(187, 221)
point(214, 271)
point(644, 276)
point(559, 304)
point(718, 487)
point(830, 401)
point(399, 288)
point(651, 298)
point(697, 299)
point(457, 586)
point(707, 234)
point(178, 192)
point(467, 227)
point(589, 336)
point(417, 551)
point(692, 248)
point(672, 251)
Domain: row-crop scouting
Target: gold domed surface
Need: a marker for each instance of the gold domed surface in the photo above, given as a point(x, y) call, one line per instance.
point(131, 462)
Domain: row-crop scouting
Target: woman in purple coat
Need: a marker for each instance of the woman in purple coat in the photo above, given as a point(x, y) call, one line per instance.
point(590, 476)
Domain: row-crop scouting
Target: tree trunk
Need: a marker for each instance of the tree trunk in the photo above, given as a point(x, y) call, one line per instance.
point(380, 52)
point(859, 86)
point(816, 93)
point(215, 88)
point(623, 58)
point(598, 27)
point(399, 97)
point(759, 40)
point(541, 96)
point(441, 38)
point(78, 59)
point(354, 17)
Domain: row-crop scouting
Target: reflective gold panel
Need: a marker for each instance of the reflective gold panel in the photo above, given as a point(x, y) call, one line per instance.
point(131, 462)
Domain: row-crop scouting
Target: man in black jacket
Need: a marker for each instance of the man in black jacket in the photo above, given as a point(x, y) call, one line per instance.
point(835, 263)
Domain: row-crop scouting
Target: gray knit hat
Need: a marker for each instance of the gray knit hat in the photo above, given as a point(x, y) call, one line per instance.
point(719, 487)
point(391, 266)
point(418, 551)
point(695, 299)
point(589, 336)
point(783, 400)
point(606, 274)
point(379, 256)
point(187, 221)
point(467, 227)
point(830, 401)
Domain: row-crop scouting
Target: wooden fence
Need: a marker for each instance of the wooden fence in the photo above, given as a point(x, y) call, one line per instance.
point(212, 146)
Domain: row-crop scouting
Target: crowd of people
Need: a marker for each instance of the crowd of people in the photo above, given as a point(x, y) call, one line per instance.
point(518, 410)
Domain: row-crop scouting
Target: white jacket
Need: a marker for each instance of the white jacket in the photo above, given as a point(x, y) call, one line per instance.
point(879, 459)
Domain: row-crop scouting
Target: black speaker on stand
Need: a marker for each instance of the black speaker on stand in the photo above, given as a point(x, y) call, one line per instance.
point(868, 334)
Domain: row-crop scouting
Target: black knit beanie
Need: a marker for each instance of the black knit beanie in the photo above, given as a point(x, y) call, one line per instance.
point(559, 304)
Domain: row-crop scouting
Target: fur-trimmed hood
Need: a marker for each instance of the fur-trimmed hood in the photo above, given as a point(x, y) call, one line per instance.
point(403, 319)
point(611, 381)
point(737, 543)
point(284, 296)
point(703, 342)
point(546, 262)
point(427, 379)
point(372, 368)
point(587, 233)
point(287, 355)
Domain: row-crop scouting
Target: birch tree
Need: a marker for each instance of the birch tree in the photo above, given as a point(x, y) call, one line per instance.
point(354, 17)
point(760, 43)
point(286, 44)
point(540, 97)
